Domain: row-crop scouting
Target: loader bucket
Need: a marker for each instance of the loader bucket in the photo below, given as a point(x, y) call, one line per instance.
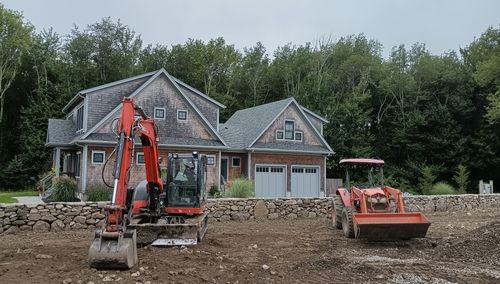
point(113, 250)
point(390, 226)
point(164, 234)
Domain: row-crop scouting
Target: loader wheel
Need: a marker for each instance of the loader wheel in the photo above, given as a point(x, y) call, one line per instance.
point(337, 212)
point(347, 225)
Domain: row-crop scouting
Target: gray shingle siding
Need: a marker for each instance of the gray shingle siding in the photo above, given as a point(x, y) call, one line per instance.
point(60, 131)
point(110, 137)
point(208, 109)
point(101, 102)
point(318, 124)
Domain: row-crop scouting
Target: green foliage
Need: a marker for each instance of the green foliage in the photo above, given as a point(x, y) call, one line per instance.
point(99, 193)
point(214, 191)
point(426, 180)
point(461, 178)
point(64, 190)
point(442, 188)
point(241, 187)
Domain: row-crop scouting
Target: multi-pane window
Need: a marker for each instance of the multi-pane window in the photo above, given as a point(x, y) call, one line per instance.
point(78, 159)
point(79, 118)
point(98, 157)
point(210, 160)
point(279, 134)
point(289, 129)
point(298, 135)
point(182, 115)
point(159, 113)
point(139, 158)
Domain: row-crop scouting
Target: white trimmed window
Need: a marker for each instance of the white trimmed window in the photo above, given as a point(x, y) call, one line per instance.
point(79, 118)
point(279, 135)
point(139, 158)
point(236, 162)
point(160, 113)
point(98, 157)
point(182, 115)
point(289, 129)
point(211, 160)
point(298, 136)
point(78, 160)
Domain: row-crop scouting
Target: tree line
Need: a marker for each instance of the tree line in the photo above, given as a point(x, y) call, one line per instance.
point(424, 114)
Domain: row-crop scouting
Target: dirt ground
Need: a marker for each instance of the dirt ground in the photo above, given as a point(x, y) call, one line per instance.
point(461, 247)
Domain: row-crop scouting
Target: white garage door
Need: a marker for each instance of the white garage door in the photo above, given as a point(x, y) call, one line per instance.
point(305, 181)
point(270, 181)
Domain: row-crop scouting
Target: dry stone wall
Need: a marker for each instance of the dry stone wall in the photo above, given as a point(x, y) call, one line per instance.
point(69, 216)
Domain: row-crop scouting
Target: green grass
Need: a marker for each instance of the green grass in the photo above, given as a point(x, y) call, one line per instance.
point(9, 197)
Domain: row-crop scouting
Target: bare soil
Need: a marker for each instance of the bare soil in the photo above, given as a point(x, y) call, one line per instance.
point(461, 247)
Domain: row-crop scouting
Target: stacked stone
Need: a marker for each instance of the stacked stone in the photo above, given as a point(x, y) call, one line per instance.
point(50, 217)
point(444, 203)
point(284, 208)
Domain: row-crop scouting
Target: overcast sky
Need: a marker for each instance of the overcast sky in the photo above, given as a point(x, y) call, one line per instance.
point(442, 25)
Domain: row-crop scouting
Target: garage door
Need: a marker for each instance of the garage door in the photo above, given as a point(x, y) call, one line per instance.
point(270, 181)
point(305, 181)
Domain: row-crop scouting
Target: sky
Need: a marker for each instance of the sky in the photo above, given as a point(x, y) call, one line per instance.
point(442, 25)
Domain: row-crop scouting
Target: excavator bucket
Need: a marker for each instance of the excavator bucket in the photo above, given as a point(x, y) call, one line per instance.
point(163, 233)
point(390, 226)
point(113, 250)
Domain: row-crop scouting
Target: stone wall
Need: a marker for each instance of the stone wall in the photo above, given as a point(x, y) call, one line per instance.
point(68, 216)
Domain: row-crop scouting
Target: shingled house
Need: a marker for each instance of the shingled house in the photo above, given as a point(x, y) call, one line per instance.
point(278, 145)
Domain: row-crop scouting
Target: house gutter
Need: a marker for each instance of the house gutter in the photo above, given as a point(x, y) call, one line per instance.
point(328, 153)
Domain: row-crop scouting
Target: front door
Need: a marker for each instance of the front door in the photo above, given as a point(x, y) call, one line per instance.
point(223, 170)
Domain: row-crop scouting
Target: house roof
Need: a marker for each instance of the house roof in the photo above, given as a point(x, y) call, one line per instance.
point(60, 132)
point(181, 83)
point(246, 126)
point(82, 93)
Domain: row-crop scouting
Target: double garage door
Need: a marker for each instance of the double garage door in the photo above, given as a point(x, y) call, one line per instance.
point(271, 181)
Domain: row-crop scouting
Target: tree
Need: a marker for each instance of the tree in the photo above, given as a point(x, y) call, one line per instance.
point(461, 178)
point(427, 180)
point(15, 36)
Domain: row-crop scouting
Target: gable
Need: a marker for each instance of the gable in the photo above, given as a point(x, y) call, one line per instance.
point(207, 108)
point(291, 113)
point(161, 92)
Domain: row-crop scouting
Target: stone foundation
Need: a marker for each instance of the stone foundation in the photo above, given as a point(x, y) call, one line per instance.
point(69, 216)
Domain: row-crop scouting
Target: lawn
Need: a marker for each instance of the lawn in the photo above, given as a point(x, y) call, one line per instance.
point(9, 197)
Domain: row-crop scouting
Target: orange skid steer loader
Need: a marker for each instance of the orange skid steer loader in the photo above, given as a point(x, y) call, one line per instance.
point(372, 210)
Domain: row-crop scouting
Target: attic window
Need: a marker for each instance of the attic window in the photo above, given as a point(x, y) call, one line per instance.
point(289, 129)
point(298, 136)
point(182, 115)
point(159, 112)
point(279, 134)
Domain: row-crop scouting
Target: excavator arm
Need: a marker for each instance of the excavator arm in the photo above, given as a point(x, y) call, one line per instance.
point(114, 246)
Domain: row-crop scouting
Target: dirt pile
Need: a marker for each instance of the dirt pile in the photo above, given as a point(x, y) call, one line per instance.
point(481, 245)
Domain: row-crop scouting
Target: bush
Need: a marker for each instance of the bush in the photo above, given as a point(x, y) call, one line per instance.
point(99, 193)
point(442, 188)
point(241, 187)
point(64, 190)
point(214, 191)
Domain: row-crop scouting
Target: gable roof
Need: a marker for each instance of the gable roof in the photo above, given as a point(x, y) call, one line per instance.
point(181, 83)
point(246, 126)
point(142, 87)
point(82, 93)
point(60, 132)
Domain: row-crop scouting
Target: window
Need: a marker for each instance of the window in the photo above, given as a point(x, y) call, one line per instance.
point(98, 157)
point(298, 135)
point(159, 113)
point(77, 164)
point(139, 158)
point(289, 129)
point(182, 115)
point(279, 134)
point(79, 118)
point(236, 161)
point(210, 160)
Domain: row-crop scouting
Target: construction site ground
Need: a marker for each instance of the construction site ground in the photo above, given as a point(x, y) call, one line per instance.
point(461, 247)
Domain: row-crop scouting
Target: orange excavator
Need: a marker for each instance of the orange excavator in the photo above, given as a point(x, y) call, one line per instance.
point(371, 210)
point(155, 212)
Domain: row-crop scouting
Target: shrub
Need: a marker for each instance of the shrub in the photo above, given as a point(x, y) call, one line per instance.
point(99, 193)
point(442, 188)
point(461, 178)
point(64, 190)
point(241, 187)
point(214, 191)
point(426, 180)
